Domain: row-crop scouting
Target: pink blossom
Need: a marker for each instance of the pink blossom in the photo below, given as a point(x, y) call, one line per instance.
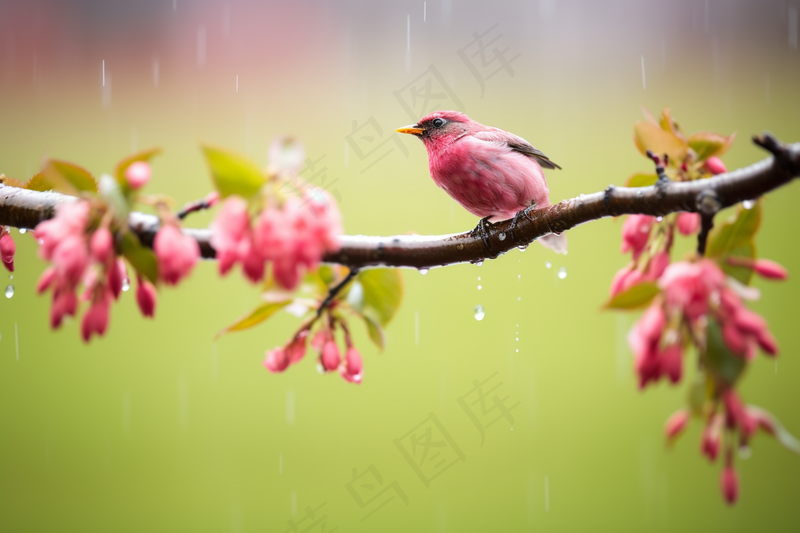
point(644, 339)
point(675, 424)
point(101, 244)
point(145, 297)
point(688, 286)
point(715, 165)
point(7, 249)
point(71, 258)
point(330, 357)
point(635, 233)
point(45, 280)
point(729, 485)
point(770, 269)
point(65, 302)
point(276, 360)
point(95, 320)
point(177, 254)
point(71, 219)
point(138, 174)
point(711, 437)
point(672, 362)
point(296, 349)
point(658, 264)
point(352, 369)
point(688, 223)
point(230, 233)
point(117, 274)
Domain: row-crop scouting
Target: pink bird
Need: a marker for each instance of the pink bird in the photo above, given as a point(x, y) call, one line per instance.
point(493, 174)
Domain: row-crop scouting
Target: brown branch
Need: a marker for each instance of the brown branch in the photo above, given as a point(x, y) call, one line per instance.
point(24, 209)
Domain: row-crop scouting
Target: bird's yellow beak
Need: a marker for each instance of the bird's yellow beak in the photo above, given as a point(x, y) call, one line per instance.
point(413, 129)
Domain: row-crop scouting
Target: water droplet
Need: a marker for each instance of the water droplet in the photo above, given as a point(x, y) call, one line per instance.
point(479, 263)
point(747, 204)
point(460, 246)
point(523, 247)
point(479, 278)
point(745, 452)
point(562, 273)
point(517, 339)
point(22, 231)
point(423, 271)
point(517, 350)
point(519, 298)
point(9, 291)
point(639, 194)
point(519, 276)
point(126, 284)
point(548, 265)
point(502, 236)
point(517, 325)
point(659, 219)
point(480, 287)
point(479, 312)
point(11, 276)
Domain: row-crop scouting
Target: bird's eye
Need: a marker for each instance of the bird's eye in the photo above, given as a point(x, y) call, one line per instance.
point(437, 123)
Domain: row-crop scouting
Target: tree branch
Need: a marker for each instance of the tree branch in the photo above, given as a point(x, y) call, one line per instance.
point(24, 209)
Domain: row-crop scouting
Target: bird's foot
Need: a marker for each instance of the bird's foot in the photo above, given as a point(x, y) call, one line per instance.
point(526, 213)
point(481, 231)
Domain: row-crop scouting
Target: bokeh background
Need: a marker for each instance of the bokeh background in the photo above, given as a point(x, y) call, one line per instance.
point(156, 427)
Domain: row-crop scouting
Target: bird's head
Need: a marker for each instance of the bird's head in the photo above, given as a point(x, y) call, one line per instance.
point(440, 127)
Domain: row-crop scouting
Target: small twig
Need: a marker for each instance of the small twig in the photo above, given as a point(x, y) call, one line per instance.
point(708, 204)
point(198, 205)
point(706, 224)
point(335, 291)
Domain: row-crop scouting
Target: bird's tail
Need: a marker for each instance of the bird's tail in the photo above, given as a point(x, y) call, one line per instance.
point(555, 241)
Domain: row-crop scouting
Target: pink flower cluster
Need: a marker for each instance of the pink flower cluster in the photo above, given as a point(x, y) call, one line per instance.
point(293, 237)
point(176, 253)
point(693, 293)
point(330, 358)
point(81, 256)
point(7, 249)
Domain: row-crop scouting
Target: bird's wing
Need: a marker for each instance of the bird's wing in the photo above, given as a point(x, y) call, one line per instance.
point(517, 144)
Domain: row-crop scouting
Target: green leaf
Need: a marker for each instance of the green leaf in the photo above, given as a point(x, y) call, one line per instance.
point(707, 144)
point(233, 173)
point(698, 394)
point(780, 433)
point(648, 136)
point(382, 292)
point(40, 182)
point(142, 259)
point(726, 366)
point(734, 237)
point(374, 330)
point(638, 296)
point(641, 180)
point(122, 166)
point(11, 182)
point(255, 317)
point(78, 179)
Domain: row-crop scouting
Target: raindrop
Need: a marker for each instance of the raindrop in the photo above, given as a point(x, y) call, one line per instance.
point(479, 312)
point(479, 278)
point(519, 277)
point(547, 264)
point(9, 291)
point(460, 246)
point(523, 247)
point(22, 231)
point(519, 298)
point(745, 452)
point(517, 350)
point(423, 271)
point(517, 339)
point(126, 285)
point(639, 194)
point(11, 276)
point(659, 219)
point(479, 263)
point(562, 273)
point(747, 204)
point(502, 236)
point(480, 287)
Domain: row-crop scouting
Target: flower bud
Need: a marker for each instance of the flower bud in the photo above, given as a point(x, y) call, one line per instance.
point(101, 244)
point(770, 269)
point(7, 250)
point(715, 165)
point(96, 319)
point(729, 484)
point(296, 349)
point(276, 360)
point(675, 425)
point(351, 370)
point(330, 356)
point(138, 174)
point(709, 444)
point(671, 363)
point(145, 297)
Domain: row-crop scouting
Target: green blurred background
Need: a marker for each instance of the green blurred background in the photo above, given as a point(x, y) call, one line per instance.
point(156, 427)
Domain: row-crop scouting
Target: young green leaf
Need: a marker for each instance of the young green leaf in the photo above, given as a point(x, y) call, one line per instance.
point(255, 317)
point(112, 192)
point(78, 178)
point(374, 329)
point(636, 297)
point(641, 180)
point(707, 144)
point(383, 292)
point(651, 137)
point(233, 173)
point(142, 259)
point(734, 237)
point(726, 366)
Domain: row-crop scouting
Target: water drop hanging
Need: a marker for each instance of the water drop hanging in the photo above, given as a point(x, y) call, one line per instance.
point(22, 231)
point(502, 236)
point(9, 291)
point(479, 312)
point(747, 204)
point(562, 273)
point(548, 265)
point(423, 271)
